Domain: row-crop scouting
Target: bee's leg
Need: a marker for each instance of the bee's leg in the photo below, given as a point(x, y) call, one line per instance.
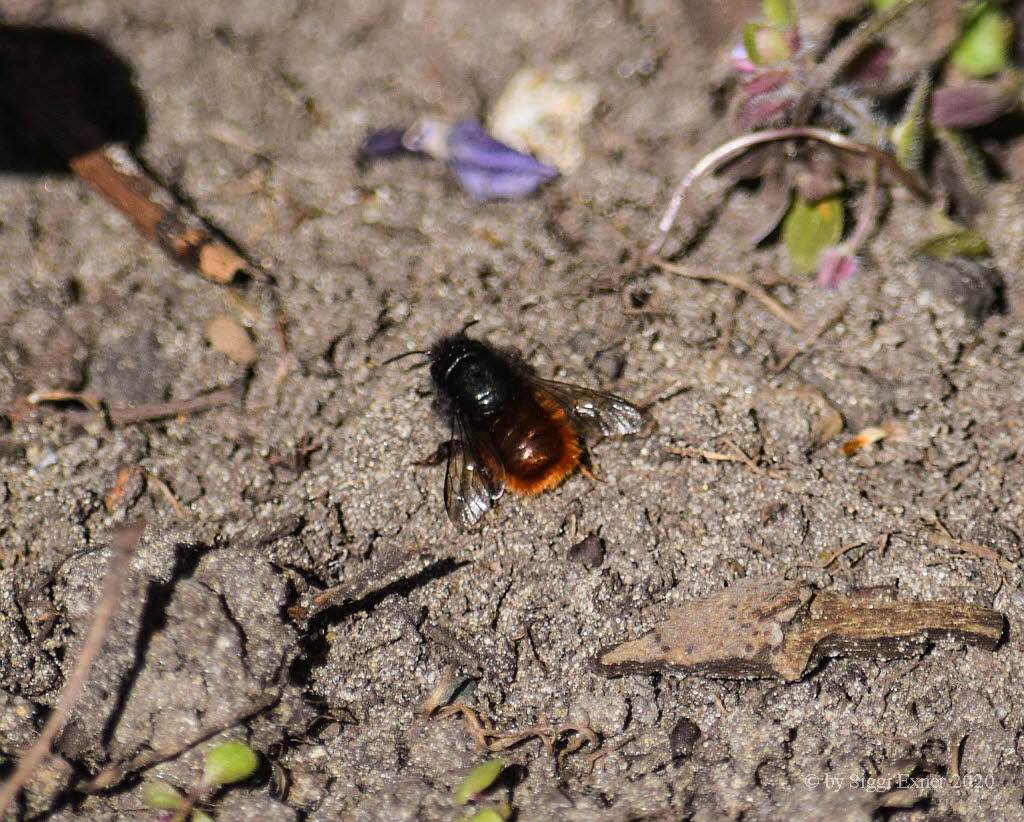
point(442, 453)
point(587, 467)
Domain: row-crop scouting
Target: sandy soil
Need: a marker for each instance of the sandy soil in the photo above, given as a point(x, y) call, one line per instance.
point(255, 110)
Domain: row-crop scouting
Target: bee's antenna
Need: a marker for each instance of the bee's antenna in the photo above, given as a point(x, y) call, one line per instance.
point(403, 356)
point(470, 324)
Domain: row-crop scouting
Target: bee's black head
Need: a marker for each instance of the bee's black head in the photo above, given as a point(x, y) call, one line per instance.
point(470, 374)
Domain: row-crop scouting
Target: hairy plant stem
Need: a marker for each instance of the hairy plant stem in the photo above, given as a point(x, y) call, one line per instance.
point(826, 72)
point(732, 149)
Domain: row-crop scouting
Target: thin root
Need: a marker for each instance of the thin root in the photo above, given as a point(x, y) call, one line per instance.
point(742, 283)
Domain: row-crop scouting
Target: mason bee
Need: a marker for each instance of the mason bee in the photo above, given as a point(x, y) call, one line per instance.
point(512, 429)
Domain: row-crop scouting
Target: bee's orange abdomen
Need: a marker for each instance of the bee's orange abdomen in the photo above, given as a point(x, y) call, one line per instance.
point(536, 443)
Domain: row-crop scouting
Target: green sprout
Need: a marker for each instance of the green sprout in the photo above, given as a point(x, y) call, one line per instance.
point(984, 47)
point(227, 763)
point(498, 814)
point(476, 783)
point(478, 780)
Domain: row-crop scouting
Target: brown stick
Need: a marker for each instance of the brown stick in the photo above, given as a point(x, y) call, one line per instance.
point(117, 177)
point(369, 578)
point(148, 412)
point(163, 410)
point(805, 344)
point(121, 545)
point(113, 774)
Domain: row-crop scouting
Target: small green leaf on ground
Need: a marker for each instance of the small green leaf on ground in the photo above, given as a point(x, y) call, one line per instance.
point(809, 228)
point(955, 244)
point(158, 794)
point(229, 762)
point(478, 780)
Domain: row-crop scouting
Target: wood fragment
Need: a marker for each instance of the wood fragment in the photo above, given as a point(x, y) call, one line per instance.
point(374, 575)
point(780, 629)
point(128, 414)
point(945, 538)
point(168, 494)
point(90, 401)
point(447, 684)
point(601, 753)
point(117, 177)
point(830, 558)
point(127, 488)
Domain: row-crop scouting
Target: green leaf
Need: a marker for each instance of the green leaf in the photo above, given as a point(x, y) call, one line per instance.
point(159, 794)
point(984, 47)
point(478, 780)
point(963, 243)
point(200, 816)
point(766, 45)
point(908, 135)
point(967, 162)
point(809, 228)
point(229, 762)
point(778, 13)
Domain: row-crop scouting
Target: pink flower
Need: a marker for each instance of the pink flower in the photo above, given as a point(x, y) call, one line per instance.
point(836, 267)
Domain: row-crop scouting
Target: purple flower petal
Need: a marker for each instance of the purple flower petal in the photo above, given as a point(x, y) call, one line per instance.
point(468, 143)
point(870, 71)
point(492, 184)
point(489, 169)
point(970, 104)
point(836, 267)
point(383, 144)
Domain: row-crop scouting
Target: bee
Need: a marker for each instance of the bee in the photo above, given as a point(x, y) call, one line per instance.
point(510, 428)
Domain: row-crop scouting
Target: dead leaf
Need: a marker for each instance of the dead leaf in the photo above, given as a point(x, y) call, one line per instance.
point(780, 629)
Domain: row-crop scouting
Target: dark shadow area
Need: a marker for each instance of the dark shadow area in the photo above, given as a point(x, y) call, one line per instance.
point(63, 94)
point(315, 647)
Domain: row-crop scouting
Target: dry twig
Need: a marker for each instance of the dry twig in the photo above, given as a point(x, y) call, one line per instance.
point(126, 415)
point(168, 494)
point(112, 775)
point(113, 172)
point(738, 455)
point(369, 578)
point(122, 545)
point(736, 281)
point(805, 344)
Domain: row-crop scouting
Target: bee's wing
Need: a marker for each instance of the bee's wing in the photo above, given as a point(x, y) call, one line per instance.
point(596, 412)
point(474, 477)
